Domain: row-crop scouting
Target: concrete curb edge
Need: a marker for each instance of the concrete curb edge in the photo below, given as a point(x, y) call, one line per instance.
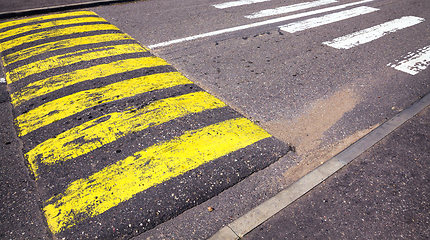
point(44, 10)
point(245, 224)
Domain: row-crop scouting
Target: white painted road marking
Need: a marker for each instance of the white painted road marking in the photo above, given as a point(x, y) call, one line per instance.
point(237, 3)
point(414, 62)
point(370, 34)
point(290, 8)
point(326, 19)
point(2, 80)
point(257, 24)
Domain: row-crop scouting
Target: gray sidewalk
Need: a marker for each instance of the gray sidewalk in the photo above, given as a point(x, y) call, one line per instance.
point(382, 194)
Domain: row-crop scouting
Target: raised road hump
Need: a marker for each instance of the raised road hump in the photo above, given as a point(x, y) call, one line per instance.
point(116, 139)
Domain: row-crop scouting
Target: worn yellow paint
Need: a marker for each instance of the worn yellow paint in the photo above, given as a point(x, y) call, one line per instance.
point(42, 18)
point(54, 83)
point(71, 58)
point(62, 44)
point(54, 33)
point(37, 26)
point(66, 106)
point(109, 128)
point(86, 198)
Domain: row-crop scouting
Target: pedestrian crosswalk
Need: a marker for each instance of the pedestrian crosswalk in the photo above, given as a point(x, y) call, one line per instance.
point(237, 3)
point(288, 9)
point(413, 62)
point(373, 33)
point(416, 63)
point(326, 19)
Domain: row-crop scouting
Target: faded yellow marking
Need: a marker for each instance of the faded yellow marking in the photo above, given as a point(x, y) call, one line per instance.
point(62, 44)
point(47, 17)
point(54, 83)
point(37, 26)
point(54, 33)
point(109, 128)
point(86, 198)
point(66, 106)
point(71, 58)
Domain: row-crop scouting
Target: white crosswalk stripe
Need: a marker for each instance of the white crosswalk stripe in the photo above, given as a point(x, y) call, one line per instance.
point(326, 19)
point(237, 3)
point(373, 33)
point(290, 8)
point(414, 62)
point(257, 24)
point(345, 42)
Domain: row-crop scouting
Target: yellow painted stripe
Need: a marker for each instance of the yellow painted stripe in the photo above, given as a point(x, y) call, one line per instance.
point(54, 83)
point(86, 198)
point(62, 44)
point(37, 26)
point(66, 106)
point(54, 33)
point(71, 58)
point(47, 17)
point(109, 128)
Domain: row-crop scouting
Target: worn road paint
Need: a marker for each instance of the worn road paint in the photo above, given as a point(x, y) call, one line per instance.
point(71, 58)
point(42, 18)
point(62, 44)
point(290, 8)
point(67, 106)
point(38, 26)
point(257, 24)
point(35, 68)
point(414, 62)
point(51, 84)
point(237, 3)
point(86, 198)
point(110, 127)
point(327, 19)
point(55, 33)
point(373, 33)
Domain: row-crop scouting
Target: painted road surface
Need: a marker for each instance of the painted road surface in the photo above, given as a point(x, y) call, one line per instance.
point(117, 140)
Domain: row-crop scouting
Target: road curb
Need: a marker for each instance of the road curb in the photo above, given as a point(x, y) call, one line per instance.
point(245, 224)
point(44, 10)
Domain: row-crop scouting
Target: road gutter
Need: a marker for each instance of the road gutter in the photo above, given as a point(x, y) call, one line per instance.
point(245, 224)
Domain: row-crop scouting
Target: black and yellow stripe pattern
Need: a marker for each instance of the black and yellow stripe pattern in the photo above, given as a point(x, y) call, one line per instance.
point(103, 121)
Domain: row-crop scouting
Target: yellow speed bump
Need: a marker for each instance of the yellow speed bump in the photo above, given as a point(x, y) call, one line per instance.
point(111, 127)
point(53, 83)
point(62, 66)
point(71, 58)
point(67, 106)
point(55, 33)
point(42, 18)
point(38, 26)
point(119, 182)
point(62, 44)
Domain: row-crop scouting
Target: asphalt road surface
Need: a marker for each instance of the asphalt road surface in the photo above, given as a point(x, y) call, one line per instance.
point(285, 71)
point(383, 194)
point(315, 75)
